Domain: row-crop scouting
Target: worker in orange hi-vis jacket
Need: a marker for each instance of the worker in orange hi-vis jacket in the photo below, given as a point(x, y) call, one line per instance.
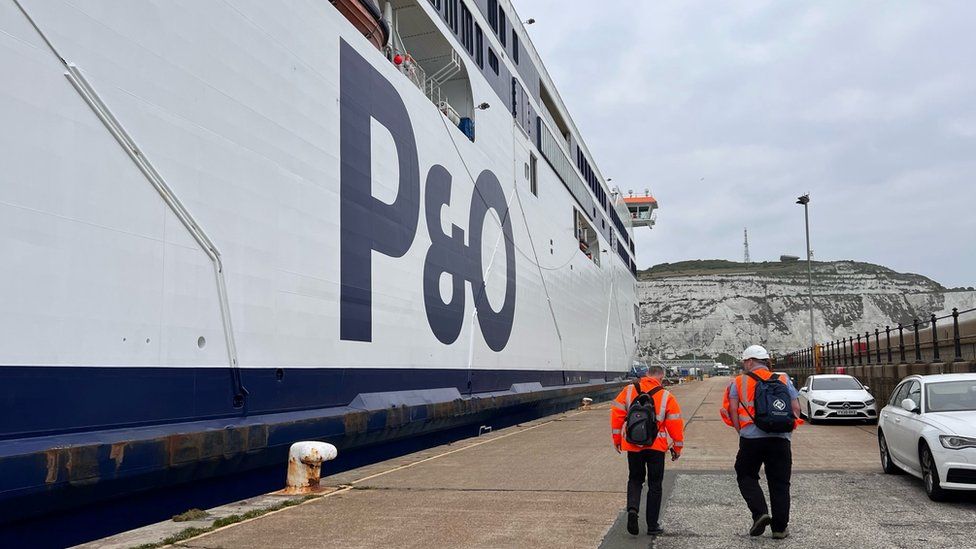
point(763, 408)
point(645, 422)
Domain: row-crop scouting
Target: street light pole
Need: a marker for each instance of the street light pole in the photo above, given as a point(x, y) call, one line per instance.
point(804, 200)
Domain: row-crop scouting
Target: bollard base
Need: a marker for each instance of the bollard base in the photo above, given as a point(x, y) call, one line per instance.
point(317, 490)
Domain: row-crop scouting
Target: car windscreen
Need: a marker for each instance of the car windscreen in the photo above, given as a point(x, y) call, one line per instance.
point(835, 384)
point(950, 396)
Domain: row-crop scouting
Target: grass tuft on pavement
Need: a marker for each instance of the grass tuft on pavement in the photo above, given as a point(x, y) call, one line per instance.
point(192, 514)
point(194, 531)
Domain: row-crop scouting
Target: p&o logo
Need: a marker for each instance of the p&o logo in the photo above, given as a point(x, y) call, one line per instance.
point(370, 225)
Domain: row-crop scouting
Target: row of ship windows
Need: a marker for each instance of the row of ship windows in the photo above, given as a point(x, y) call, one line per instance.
point(459, 19)
point(591, 179)
point(472, 38)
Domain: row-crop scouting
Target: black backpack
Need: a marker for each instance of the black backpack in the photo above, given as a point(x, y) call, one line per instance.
point(642, 427)
point(773, 404)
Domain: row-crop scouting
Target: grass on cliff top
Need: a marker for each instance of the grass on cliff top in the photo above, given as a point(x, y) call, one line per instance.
point(721, 266)
point(700, 267)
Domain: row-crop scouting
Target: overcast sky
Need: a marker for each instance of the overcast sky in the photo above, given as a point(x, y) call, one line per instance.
point(728, 111)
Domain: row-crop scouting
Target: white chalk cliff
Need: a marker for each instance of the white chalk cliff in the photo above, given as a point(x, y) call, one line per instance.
point(713, 307)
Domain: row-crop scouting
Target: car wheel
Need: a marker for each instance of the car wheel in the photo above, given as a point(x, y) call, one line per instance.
point(810, 415)
point(930, 475)
point(886, 463)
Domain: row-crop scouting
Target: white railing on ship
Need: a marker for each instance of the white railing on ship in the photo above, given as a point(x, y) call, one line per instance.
point(562, 142)
point(429, 85)
point(557, 158)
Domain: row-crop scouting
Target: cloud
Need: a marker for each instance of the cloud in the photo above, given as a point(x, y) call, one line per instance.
point(728, 111)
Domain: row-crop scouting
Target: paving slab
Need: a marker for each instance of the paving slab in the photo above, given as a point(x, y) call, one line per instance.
point(557, 482)
point(154, 533)
point(863, 510)
point(429, 518)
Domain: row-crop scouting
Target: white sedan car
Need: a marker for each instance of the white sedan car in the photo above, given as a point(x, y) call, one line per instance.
point(832, 396)
point(928, 429)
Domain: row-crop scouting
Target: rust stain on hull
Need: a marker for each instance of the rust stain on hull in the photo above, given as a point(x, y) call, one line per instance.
point(355, 423)
point(117, 454)
point(53, 465)
point(82, 465)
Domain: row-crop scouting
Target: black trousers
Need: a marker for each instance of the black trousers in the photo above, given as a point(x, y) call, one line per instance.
point(777, 456)
point(647, 464)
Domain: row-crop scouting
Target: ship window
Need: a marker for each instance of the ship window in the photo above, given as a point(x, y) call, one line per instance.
point(493, 61)
point(479, 47)
point(467, 30)
point(452, 9)
point(589, 242)
point(515, 47)
point(493, 14)
point(533, 174)
point(502, 31)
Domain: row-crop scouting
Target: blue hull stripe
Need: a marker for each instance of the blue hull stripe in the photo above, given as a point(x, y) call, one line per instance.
point(49, 400)
point(41, 474)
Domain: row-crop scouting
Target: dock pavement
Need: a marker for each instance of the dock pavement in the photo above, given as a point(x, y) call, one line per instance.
point(558, 482)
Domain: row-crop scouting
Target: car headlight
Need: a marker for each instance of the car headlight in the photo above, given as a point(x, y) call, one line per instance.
point(869, 402)
point(819, 402)
point(954, 442)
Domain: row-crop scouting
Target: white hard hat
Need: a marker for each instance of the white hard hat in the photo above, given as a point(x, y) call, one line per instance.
point(755, 351)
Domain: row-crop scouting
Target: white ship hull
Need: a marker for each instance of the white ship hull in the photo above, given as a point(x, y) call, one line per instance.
point(184, 238)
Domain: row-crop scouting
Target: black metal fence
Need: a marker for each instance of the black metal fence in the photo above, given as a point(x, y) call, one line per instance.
point(938, 339)
point(882, 357)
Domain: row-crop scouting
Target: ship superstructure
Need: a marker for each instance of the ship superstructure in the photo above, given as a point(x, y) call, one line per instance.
point(229, 217)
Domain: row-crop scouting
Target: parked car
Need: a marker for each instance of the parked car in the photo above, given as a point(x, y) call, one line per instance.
point(928, 429)
point(834, 396)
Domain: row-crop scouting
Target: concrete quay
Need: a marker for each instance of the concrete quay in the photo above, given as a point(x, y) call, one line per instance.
point(557, 482)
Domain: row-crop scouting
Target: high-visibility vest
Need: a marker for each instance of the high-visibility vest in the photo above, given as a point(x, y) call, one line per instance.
point(746, 388)
point(669, 421)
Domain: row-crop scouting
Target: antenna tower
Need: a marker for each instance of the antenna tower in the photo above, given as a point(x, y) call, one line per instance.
point(745, 245)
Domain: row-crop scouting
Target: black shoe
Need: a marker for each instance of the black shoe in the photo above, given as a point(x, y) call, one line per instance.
point(632, 525)
point(759, 525)
point(656, 531)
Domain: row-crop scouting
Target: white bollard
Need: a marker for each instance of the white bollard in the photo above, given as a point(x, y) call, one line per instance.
point(305, 465)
